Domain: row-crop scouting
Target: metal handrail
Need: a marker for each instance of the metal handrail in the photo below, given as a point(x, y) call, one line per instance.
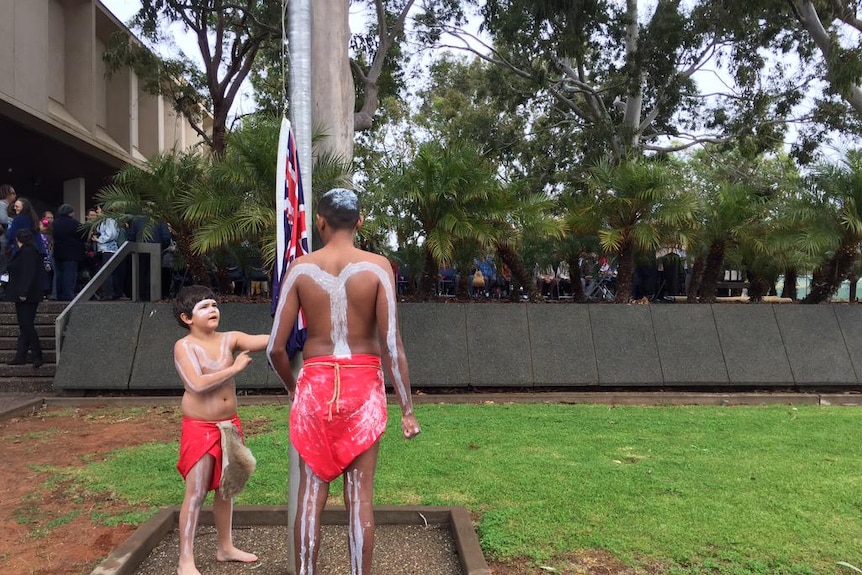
point(132, 249)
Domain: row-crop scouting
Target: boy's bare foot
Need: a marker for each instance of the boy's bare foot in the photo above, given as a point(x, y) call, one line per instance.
point(187, 568)
point(234, 554)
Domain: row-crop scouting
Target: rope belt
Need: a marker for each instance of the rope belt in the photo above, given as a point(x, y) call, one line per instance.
point(337, 391)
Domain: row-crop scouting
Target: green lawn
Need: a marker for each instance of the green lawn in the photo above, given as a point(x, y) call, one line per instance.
point(730, 490)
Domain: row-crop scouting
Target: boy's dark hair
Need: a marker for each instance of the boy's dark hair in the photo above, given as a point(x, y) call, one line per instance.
point(24, 236)
point(340, 208)
point(186, 300)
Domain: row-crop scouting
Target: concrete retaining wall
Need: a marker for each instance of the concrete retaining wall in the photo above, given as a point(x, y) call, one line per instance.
point(129, 346)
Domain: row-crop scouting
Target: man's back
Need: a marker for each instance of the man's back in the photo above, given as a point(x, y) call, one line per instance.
point(340, 291)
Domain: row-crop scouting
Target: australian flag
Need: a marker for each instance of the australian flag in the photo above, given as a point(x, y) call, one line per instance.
point(292, 234)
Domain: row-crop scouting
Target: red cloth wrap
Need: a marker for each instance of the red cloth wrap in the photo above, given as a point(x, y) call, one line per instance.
point(200, 437)
point(338, 413)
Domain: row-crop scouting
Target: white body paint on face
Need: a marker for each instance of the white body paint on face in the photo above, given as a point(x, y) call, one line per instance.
point(336, 287)
point(204, 307)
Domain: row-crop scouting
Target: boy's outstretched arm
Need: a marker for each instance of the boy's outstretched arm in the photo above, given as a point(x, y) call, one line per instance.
point(191, 374)
point(246, 342)
point(393, 356)
point(282, 324)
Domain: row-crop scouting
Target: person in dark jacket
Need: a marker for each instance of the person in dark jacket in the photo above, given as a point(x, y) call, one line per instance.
point(25, 218)
point(69, 238)
point(25, 289)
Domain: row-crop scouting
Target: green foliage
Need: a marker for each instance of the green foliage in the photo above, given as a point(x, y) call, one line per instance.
point(639, 206)
point(165, 189)
point(445, 194)
point(696, 490)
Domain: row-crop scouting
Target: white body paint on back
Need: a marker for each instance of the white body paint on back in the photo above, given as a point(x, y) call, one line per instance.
point(336, 287)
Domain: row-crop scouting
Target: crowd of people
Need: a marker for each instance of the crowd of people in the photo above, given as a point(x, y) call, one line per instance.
point(71, 251)
point(486, 279)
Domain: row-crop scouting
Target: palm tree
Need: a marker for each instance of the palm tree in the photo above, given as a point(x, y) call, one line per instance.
point(639, 208)
point(437, 197)
point(515, 213)
point(164, 189)
point(238, 207)
point(725, 213)
point(836, 205)
point(738, 195)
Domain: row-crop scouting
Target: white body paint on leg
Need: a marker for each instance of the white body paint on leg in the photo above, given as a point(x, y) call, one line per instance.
point(356, 537)
point(308, 523)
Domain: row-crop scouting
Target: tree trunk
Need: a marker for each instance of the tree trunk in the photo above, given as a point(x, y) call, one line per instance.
point(625, 272)
point(428, 280)
point(332, 82)
point(853, 278)
point(758, 287)
point(575, 273)
point(696, 277)
point(219, 130)
point(712, 272)
point(826, 279)
point(520, 276)
point(194, 262)
point(790, 278)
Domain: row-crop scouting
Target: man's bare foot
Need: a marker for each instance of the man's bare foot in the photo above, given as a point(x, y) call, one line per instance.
point(187, 568)
point(234, 554)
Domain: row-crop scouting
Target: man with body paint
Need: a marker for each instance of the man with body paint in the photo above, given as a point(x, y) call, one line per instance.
point(206, 365)
point(339, 407)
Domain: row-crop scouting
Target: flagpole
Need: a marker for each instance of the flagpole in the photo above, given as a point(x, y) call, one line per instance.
point(299, 40)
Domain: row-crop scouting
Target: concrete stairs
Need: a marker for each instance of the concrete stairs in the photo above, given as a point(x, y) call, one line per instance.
point(26, 378)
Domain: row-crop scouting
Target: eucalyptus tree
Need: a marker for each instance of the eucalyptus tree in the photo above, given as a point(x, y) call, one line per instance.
point(621, 76)
point(228, 34)
point(638, 206)
point(828, 34)
point(359, 73)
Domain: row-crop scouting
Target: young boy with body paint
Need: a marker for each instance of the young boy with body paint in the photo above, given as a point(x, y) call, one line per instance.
point(339, 409)
point(206, 365)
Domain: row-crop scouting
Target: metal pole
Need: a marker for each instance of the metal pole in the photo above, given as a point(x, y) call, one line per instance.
point(299, 43)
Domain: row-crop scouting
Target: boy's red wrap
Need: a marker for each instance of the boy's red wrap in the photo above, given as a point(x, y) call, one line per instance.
point(338, 413)
point(200, 437)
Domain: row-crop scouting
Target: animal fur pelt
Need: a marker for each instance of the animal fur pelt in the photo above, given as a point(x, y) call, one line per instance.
point(238, 463)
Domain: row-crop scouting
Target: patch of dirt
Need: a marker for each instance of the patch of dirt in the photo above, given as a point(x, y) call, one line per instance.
point(49, 527)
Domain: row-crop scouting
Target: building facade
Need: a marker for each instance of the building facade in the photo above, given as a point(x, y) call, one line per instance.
point(66, 127)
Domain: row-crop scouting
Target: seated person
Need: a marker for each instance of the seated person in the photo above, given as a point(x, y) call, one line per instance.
point(545, 280)
point(489, 272)
point(448, 280)
point(563, 279)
